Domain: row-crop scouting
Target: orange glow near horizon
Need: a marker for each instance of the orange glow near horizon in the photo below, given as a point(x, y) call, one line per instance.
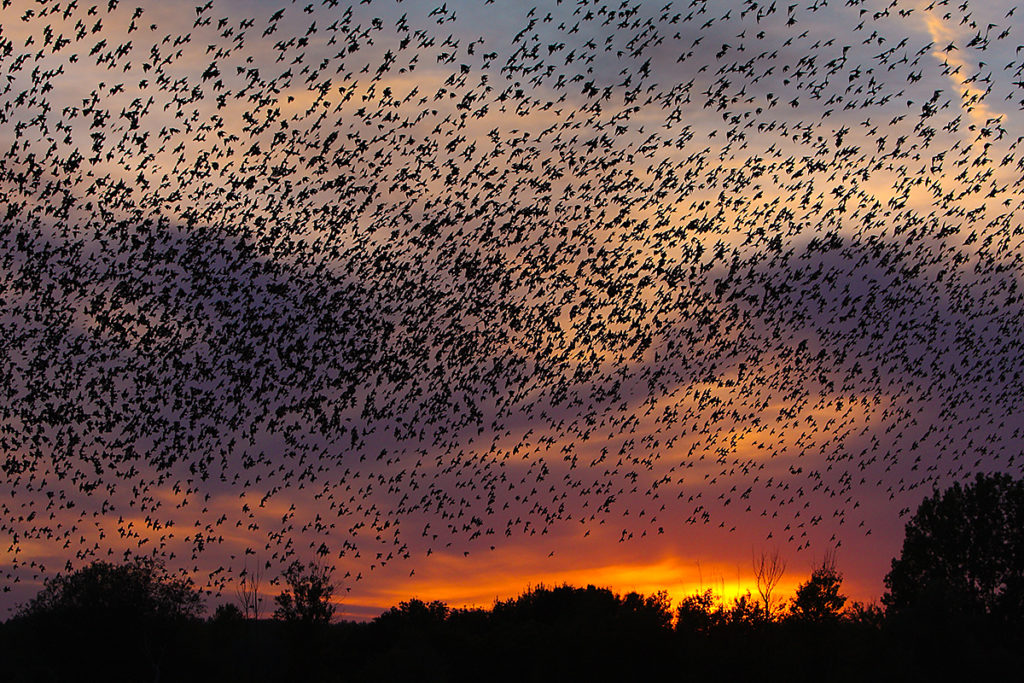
point(677, 578)
point(483, 588)
point(481, 581)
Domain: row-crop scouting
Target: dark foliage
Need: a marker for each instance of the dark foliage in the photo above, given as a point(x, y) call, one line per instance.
point(227, 613)
point(819, 599)
point(963, 554)
point(701, 614)
point(307, 600)
point(957, 588)
point(413, 615)
point(138, 590)
point(106, 622)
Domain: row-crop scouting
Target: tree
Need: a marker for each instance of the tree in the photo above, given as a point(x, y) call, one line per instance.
point(120, 618)
point(248, 592)
point(744, 612)
point(590, 608)
point(138, 590)
point(700, 613)
point(307, 599)
point(963, 553)
point(414, 617)
point(228, 613)
point(574, 633)
point(819, 599)
point(768, 571)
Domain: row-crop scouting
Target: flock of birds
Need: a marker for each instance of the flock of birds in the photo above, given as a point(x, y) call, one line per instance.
point(368, 282)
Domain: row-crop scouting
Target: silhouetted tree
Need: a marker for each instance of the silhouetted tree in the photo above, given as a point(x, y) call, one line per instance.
point(570, 633)
point(818, 599)
point(745, 612)
point(869, 615)
point(415, 641)
point(228, 613)
point(248, 591)
point(138, 589)
point(963, 553)
point(115, 613)
point(591, 605)
point(654, 611)
point(307, 599)
point(768, 571)
point(414, 614)
point(701, 613)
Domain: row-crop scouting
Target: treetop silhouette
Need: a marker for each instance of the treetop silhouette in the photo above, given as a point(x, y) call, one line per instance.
point(307, 599)
point(963, 553)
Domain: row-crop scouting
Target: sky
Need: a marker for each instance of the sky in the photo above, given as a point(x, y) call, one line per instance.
point(463, 298)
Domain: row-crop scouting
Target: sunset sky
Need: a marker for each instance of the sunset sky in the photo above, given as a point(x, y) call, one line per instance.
point(463, 298)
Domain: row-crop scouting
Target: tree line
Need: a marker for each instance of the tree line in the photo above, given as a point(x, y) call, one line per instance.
point(954, 604)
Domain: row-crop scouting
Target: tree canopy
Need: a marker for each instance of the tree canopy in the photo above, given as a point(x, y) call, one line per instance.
point(141, 588)
point(963, 553)
point(819, 599)
point(308, 596)
point(125, 621)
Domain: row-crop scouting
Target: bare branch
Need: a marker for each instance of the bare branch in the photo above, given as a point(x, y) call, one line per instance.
point(768, 571)
point(248, 591)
